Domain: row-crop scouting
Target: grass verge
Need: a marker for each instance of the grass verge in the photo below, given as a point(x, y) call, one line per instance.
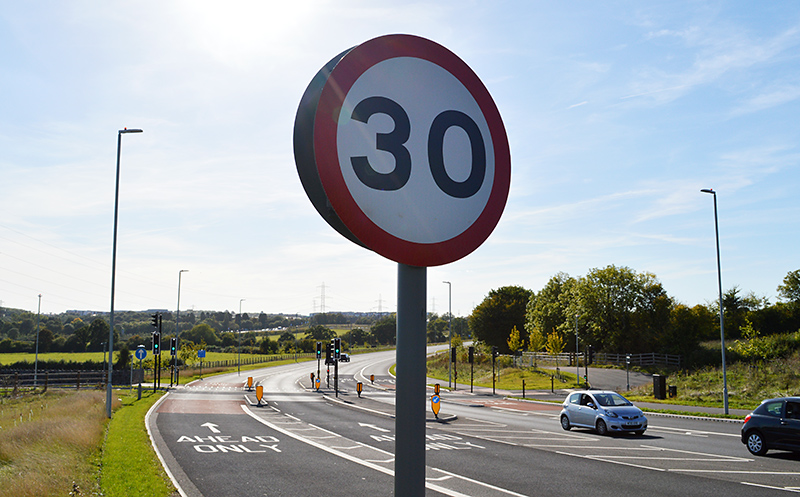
point(130, 467)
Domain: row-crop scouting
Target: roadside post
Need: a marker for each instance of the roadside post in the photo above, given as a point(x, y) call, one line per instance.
point(140, 354)
point(453, 356)
point(416, 84)
point(495, 353)
point(435, 405)
point(359, 388)
point(628, 370)
point(259, 394)
point(201, 354)
point(471, 366)
point(319, 357)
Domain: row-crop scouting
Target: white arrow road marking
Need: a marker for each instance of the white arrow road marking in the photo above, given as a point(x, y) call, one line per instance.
point(212, 427)
point(375, 427)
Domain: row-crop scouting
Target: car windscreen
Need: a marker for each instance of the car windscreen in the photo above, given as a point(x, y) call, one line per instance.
point(611, 400)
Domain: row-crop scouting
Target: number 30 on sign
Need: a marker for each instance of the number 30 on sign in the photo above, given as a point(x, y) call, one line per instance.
point(402, 150)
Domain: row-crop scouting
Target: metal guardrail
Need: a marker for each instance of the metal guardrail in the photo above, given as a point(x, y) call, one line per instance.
point(647, 359)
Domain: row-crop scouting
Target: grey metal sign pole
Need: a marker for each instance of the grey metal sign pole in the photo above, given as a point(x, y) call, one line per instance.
point(409, 466)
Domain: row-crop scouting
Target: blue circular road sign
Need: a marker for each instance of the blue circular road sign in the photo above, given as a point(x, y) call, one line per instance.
point(140, 353)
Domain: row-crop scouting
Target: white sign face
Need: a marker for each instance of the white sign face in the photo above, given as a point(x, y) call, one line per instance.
point(437, 215)
point(409, 156)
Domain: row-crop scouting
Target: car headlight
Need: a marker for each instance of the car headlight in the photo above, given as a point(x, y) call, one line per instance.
point(610, 414)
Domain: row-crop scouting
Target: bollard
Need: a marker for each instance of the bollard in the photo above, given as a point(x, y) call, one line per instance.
point(552, 389)
point(523, 389)
point(140, 392)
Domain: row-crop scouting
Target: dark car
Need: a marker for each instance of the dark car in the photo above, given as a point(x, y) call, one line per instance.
point(344, 357)
point(775, 424)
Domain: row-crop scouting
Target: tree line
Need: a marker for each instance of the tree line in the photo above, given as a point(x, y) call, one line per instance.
point(618, 310)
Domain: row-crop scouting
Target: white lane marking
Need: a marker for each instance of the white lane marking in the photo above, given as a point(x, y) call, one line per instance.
point(785, 489)
point(695, 433)
point(476, 482)
point(363, 462)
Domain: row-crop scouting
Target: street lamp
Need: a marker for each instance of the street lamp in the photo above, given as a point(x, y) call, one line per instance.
point(577, 354)
point(114, 269)
point(450, 334)
point(177, 318)
point(36, 361)
point(178, 310)
point(239, 365)
point(721, 309)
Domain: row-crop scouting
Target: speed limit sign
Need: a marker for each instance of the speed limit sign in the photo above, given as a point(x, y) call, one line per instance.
point(402, 150)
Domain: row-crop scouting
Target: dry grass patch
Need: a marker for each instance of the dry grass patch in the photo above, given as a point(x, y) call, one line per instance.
point(50, 442)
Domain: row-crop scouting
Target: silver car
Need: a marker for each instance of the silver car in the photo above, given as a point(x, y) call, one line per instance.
point(603, 411)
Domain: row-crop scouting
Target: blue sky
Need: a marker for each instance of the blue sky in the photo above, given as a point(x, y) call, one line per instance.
point(617, 114)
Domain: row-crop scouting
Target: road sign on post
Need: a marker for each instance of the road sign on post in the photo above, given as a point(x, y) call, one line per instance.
point(445, 152)
point(141, 352)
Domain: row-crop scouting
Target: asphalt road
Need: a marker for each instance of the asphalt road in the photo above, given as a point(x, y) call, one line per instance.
point(216, 440)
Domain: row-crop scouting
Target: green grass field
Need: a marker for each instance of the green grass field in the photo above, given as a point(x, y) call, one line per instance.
point(12, 357)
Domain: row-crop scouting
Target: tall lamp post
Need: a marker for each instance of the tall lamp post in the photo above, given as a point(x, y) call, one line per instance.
point(177, 318)
point(114, 270)
point(36, 361)
point(721, 308)
point(450, 332)
point(178, 310)
point(239, 365)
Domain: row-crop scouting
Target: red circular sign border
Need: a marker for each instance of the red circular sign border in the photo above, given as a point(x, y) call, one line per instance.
point(336, 88)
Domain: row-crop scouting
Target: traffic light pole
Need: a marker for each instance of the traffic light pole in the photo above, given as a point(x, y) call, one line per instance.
point(586, 368)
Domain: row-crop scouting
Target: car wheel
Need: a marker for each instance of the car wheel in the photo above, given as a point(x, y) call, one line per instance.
point(565, 422)
point(601, 427)
point(755, 444)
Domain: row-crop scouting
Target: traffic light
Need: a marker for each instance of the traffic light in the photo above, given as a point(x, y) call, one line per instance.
point(319, 350)
point(156, 343)
point(590, 355)
point(495, 351)
point(173, 346)
point(337, 348)
point(154, 320)
point(329, 353)
point(471, 354)
point(452, 354)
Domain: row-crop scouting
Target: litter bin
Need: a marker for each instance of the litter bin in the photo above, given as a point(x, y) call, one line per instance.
point(659, 386)
point(673, 391)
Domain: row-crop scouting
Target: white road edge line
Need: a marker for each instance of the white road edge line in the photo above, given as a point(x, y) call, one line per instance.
point(155, 447)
